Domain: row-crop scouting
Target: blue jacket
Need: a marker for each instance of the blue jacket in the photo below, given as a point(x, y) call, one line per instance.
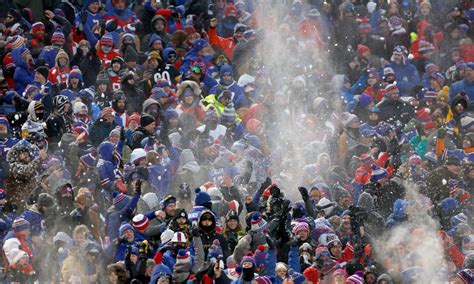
point(239, 99)
point(160, 178)
point(406, 76)
point(36, 219)
point(398, 215)
point(460, 86)
point(294, 259)
point(48, 54)
point(115, 218)
point(23, 74)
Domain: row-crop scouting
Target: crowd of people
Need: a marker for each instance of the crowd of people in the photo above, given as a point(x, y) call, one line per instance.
point(236, 141)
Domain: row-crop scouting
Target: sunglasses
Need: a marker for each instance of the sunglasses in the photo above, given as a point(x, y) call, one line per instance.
point(171, 56)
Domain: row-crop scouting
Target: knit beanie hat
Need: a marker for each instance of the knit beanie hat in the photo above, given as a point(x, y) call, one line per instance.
point(125, 227)
point(263, 280)
point(75, 73)
point(364, 27)
point(388, 71)
point(443, 94)
point(20, 224)
point(248, 258)
point(102, 78)
point(365, 100)
point(107, 40)
point(88, 160)
point(15, 42)
point(425, 46)
point(3, 194)
point(391, 89)
point(120, 200)
point(130, 54)
point(258, 224)
point(378, 173)
point(17, 254)
point(430, 68)
point(199, 44)
point(361, 49)
point(466, 275)
point(229, 113)
point(215, 250)
point(356, 278)
point(260, 255)
point(140, 222)
point(166, 236)
point(201, 198)
point(58, 37)
point(439, 78)
point(300, 226)
point(167, 200)
point(146, 119)
point(183, 257)
point(43, 70)
point(461, 65)
point(395, 23)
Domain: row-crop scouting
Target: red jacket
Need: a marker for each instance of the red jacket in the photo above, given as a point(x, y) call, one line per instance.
point(226, 44)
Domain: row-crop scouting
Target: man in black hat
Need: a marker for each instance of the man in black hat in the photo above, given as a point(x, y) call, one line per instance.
point(438, 187)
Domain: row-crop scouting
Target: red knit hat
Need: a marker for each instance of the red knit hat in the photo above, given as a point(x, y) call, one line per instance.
point(135, 117)
point(361, 49)
point(58, 37)
point(140, 222)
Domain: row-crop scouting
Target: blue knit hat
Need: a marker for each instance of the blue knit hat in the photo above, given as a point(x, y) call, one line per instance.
point(167, 200)
point(378, 173)
point(157, 92)
point(88, 160)
point(120, 200)
point(124, 227)
point(215, 250)
point(202, 197)
point(248, 258)
point(4, 121)
point(171, 113)
point(3, 194)
point(20, 224)
point(199, 44)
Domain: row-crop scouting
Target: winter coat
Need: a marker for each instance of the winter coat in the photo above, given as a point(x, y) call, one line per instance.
point(462, 86)
point(437, 190)
point(24, 75)
point(116, 217)
point(100, 130)
point(137, 136)
point(21, 180)
point(74, 265)
point(406, 76)
point(135, 98)
point(391, 111)
point(227, 45)
point(36, 220)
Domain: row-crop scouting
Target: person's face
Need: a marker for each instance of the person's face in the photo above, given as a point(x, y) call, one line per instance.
point(425, 10)
point(247, 265)
point(397, 57)
point(109, 118)
point(39, 78)
point(441, 103)
point(149, 270)
point(171, 209)
point(80, 238)
point(134, 258)
point(354, 124)
point(129, 235)
point(469, 74)
point(131, 64)
point(303, 234)
point(114, 138)
point(224, 101)
point(24, 157)
point(120, 4)
point(345, 202)
point(466, 143)
point(62, 61)
point(459, 108)
point(157, 45)
point(206, 223)
point(116, 66)
point(181, 221)
point(434, 85)
point(336, 251)
point(372, 81)
point(121, 104)
point(132, 125)
point(339, 279)
point(393, 9)
point(173, 121)
point(91, 257)
point(159, 25)
point(74, 82)
point(370, 278)
point(153, 63)
point(150, 127)
point(163, 100)
point(94, 7)
point(232, 224)
point(9, 18)
point(373, 116)
point(113, 278)
point(172, 57)
point(238, 35)
point(102, 88)
point(131, 81)
point(281, 273)
point(455, 169)
point(189, 99)
point(3, 129)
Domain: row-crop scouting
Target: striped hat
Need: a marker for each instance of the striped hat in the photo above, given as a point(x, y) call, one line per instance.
point(425, 46)
point(258, 224)
point(88, 160)
point(120, 200)
point(15, 42)
point(4, 121)
point(395, 23)
point(300, 226)
point(378, 173)
point(391, 89)
point(20, 224)
point(439, 78)
point(388, 71)
point(58, 37)
point(430, 68)
point(183, 257)
point(461, 65)
point(356, 278)
point(365, 27)
point(75, 73)
point(107, 40)
point(140, 222)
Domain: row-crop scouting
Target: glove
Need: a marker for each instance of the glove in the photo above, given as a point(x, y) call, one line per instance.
point(143, 247)
point(84, 17)
point(163, 249)
point(138, 186)
point(122, 134)
point(442, 133)
point(304, 193)
point(275, 191)
point(195, 232)
point(271, 243)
